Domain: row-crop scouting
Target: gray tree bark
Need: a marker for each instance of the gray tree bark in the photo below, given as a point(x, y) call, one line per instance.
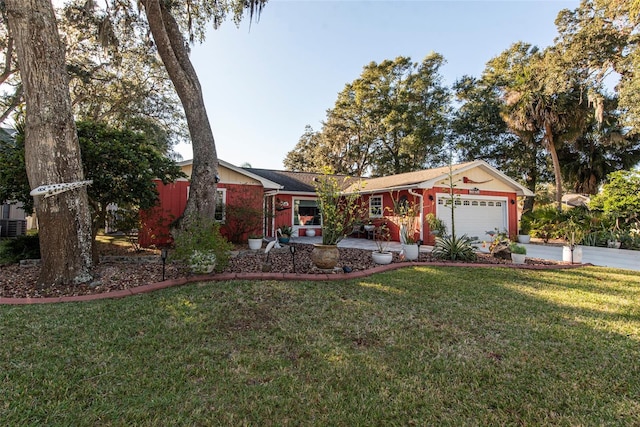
point(172, 49)
point(52, 152)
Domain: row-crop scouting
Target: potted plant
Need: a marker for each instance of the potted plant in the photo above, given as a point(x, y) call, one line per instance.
point(382, 237)
point(255, 242)
point(614, 239)
point(573, 233)
point(338, 213)
point(199, 244)
point(525, 229)
point(202, 262)
point(518, 253)
point(500, 246)
point(407, 216)
point(437, 227)
point(284, 233)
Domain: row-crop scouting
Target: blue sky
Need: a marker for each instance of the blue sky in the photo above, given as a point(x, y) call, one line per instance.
point(263, 84)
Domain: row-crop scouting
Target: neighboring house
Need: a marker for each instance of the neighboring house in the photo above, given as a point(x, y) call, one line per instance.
point(13, 220)
point(574, 200)
point(485, 199)
point(12, 217)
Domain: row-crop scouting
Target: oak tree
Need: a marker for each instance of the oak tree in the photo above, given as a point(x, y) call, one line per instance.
point(52, 153)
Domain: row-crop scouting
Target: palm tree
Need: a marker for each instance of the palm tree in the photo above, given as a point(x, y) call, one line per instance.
point(536, 103)
point(603, 149)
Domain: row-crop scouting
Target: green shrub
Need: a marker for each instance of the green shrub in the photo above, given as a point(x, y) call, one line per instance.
point(286, 230)
point(22, 247)
point(517, 249)
point(201, 235)
point(437, 227)
point(545, 223)
point(243, 218)
point(454, 248)
point(525, 223)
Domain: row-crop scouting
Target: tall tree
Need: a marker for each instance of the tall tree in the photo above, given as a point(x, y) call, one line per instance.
point(478, 131)
point(411, 105)
point(392, 119)
point(116, 76)
point(601, 38)
point(52, 153)
point(11, 95)
point(162, 17)
point(541, 98)
point(304, 156)
point(604, 148)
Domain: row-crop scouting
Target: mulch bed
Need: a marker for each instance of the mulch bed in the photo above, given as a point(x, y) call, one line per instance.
point(123, 269)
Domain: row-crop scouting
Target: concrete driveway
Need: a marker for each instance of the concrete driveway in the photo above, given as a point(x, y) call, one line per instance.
point(604, 257)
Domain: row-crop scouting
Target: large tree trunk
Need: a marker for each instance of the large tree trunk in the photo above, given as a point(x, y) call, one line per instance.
point(52, 152)
point(551, 146)
point(531, 178)
point(173, 51)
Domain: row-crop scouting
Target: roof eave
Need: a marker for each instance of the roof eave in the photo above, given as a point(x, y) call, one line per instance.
point(520, 190)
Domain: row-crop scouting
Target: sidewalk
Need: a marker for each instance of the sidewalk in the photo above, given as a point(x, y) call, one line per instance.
point(603, 257)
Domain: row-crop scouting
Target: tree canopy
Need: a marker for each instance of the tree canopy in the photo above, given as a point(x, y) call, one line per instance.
point(392, 119)
point(121, 162)
point(620, 197)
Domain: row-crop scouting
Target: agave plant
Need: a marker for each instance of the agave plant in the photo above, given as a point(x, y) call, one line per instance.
point(454, 248)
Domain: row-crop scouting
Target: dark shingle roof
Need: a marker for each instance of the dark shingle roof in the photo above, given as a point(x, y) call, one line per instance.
point(300, 182)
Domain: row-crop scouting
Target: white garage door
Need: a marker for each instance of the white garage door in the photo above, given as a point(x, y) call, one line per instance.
point(474, 216)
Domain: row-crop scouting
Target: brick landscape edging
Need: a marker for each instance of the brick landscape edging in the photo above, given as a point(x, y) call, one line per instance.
point(272, 276)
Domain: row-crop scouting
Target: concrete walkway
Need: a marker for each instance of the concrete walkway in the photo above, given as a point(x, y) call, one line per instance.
point(604, 257)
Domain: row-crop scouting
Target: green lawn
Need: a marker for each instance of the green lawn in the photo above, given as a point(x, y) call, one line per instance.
point(422, 346)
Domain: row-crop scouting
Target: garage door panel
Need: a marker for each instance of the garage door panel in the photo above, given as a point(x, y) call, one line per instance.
point(474, 217)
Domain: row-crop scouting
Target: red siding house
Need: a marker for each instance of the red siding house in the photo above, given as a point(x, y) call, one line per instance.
point(236, 185)
point(484, 198)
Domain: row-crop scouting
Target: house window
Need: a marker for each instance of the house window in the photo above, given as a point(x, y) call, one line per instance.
point(221, 205)
point(375, 207)
point(306, 212)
